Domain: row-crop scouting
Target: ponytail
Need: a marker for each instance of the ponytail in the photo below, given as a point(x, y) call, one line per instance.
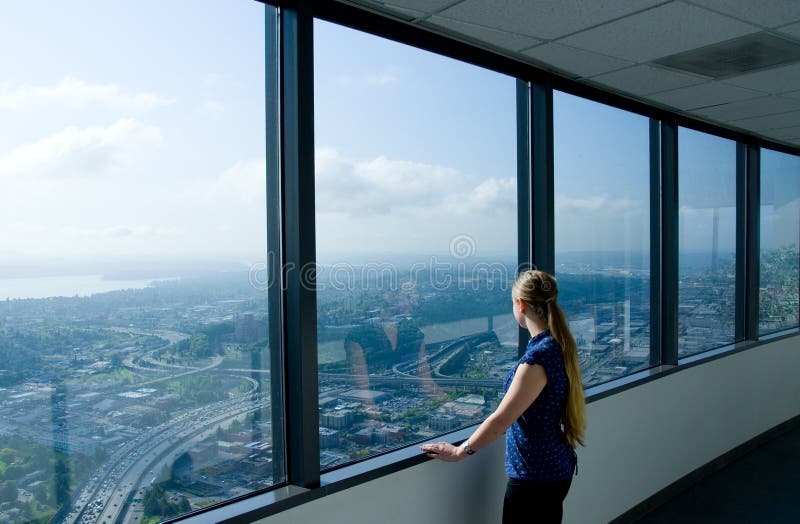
point(575, 417)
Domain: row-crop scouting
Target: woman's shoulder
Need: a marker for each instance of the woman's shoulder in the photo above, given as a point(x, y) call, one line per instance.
point(543, 342)
point(543, 345)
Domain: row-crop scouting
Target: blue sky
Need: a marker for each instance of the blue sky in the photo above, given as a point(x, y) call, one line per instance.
point(136, 130)
point(132, 130)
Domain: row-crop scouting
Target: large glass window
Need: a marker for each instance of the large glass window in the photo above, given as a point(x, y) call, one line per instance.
point(416, 240)
point(134, 357)
point(780, 235)
point(602, 244)
point(707, 241)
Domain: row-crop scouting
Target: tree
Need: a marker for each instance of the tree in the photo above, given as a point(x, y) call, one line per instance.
point(8, 490)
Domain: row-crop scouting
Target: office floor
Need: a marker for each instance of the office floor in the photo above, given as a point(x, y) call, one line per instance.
point(761, 487)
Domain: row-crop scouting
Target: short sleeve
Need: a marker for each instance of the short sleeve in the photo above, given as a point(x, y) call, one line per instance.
point(541, 354)
point(532, 357)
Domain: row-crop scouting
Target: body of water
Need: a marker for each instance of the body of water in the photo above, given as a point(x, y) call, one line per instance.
point(65, 286)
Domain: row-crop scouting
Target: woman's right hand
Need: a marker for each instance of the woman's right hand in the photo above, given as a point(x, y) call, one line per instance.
point(444, 451)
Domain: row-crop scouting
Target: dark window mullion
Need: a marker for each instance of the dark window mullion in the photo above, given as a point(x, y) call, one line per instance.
point(752, 252)
point(524, 186)
point(274, 251)
point(669, 244)
point(655, 243)
point(542, 209)
point(299, 246)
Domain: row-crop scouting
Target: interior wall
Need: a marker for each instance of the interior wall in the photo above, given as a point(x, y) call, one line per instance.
point(638, 442)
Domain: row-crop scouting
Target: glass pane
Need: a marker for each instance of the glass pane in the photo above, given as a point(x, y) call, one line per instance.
point(133, 347)
point(416, 240)
point(780, 234)
point(602, 228)
point(707, 240)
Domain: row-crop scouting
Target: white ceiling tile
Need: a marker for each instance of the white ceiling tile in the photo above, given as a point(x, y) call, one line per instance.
point(762, 123)
point(501, 39)
point(407, 13)
point(767, 13)
point(546, 19)
point(703, 95)
point(645, 79)
point(778, 80)
point(794, 95)
point(661, 31)
point(787, 133)
point(428, 6)
point(791, 30)
point(577, 61)
point(767, 105)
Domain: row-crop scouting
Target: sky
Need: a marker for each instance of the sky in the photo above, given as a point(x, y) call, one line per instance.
point(135, 130)
point(132, 130)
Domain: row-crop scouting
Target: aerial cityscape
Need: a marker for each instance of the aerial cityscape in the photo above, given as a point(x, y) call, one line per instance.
point(136, 405)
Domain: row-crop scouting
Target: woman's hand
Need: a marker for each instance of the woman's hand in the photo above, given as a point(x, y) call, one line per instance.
point(444, 451)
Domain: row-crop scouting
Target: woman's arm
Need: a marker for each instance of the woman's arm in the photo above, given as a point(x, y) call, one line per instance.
point(528, 383)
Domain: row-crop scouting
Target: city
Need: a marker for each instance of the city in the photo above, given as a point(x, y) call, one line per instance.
point(137, 405)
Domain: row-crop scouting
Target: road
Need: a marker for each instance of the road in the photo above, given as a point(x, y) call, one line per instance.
point(103, 497)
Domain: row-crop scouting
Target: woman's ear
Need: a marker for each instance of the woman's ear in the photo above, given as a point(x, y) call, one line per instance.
point(521, 305)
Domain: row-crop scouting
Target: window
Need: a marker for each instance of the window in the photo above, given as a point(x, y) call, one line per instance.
point(780, 234)
point(707, 240)
point(602, 195)
point(133, 319)
point(416, 241)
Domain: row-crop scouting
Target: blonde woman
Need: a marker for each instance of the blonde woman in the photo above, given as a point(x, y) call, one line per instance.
point(542, 412)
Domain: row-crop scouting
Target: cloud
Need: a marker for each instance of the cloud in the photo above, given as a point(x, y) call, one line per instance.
point(73, 92)
point(493, 193)
point(244, 183)
point(382, 186)
point(80, 152)
point(240, 187)
point(597, 204)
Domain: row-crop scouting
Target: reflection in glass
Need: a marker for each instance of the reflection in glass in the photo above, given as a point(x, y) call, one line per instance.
point(707, 241)
point(416, 241)
point(134, 380)
point(780, 235)
point(602, 235)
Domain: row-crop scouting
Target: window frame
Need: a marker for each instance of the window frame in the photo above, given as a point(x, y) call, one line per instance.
point(291, 236)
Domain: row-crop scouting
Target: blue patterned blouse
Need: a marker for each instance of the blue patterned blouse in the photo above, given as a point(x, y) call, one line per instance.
point(536, 448)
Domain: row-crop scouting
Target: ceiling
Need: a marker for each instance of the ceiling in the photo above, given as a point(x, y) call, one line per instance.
point(730, 62)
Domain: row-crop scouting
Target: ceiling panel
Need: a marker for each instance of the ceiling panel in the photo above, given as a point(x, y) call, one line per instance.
point(497, 38)
point(768, 13)
point(579, 62)
point(778, 121)
point(791, 30)
point(786, 133)
point(410, 14)
point(660, 31)
point(767, 105)
point(645, 79)
point(703, 95)
point(778, 80)
point(546, 19)
point(428, 6)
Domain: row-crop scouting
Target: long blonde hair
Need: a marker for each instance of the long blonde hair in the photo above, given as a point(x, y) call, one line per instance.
point(539, 291)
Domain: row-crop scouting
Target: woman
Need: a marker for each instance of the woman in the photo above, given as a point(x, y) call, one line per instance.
point(543, 409)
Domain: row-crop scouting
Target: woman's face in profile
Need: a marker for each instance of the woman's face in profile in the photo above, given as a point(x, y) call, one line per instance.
point(518, 315)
